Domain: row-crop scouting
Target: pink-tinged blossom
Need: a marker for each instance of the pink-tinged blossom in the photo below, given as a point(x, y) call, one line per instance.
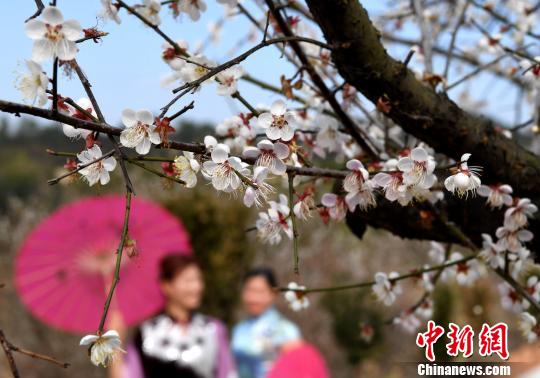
point(336, 205)
point(497, 195)
point(418, 168)
point(512, 239)
point(517, 217)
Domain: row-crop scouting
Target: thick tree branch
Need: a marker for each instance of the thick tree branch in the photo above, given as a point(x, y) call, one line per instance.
point(429, 116)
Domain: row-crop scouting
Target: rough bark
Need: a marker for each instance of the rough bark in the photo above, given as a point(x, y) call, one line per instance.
point(429, 116)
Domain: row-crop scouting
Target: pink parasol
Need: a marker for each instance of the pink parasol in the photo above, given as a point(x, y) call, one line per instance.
point(303, 361)
point(64, 267)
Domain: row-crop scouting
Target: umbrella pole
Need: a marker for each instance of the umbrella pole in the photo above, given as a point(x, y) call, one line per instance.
point(116, 276)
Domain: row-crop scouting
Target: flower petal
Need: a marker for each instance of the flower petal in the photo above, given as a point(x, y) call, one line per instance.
point(129, 118)
point(278, 108)
point(35, 29)
point(52, 15)
point(145, 116)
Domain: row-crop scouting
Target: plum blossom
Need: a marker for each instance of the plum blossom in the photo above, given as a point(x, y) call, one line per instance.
point(528, 325)
point(170, 56)
point(72, 132)
point(196, 68)
point(510, 299)
point(425, 310)
point(512, 239)
point(296, 297)
point(269, 155)
point(533, 288)
point(53, 37)
point(186, 168)
point(33, 85)
point(492, 253)
point(359, 189)
point(302, 208)
point(278, 123)
point(259, 191)
point(273, 221)
point(140, 132)
point(228, 79)
point(103, 348)
point(392, 185)
point(236, 131)
point(150, 11)
point(328, 137)
point(437, 252)
point(408, 321)
point(516, 217)
point(337, 207)
point(98, 171)
point(193, 8)
point(109, 11)
point(223, 170)
point(385, 289)
point(466, 272)
point(465, 179)
point(497, 195)
point(418, 168)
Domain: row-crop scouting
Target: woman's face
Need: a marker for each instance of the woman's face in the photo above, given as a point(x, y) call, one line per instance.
point(186, 288)
point(257, 295)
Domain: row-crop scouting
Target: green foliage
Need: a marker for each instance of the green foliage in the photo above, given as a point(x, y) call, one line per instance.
point(218, 237)
point(349, 310)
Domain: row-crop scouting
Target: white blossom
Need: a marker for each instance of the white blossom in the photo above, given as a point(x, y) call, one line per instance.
point(386, 290)
point(104, 348)
point(492, 253)
point(197, 67)
point(260, 190)
point(228, 79)
point(278, 123)
point(296, 297)
point(223, 170)
point(408, 321)
point(528, 325)
point(193, 8)
point(33, 85)
point(329, 137)
point(186, 167)
point(72, 132)
point(98, 171)
point(109, 11)
point(236, 132)
point(150, 11)
point(465, 180)
point(269, 155)
point(140, 132)
point(510, 300)
point(53, 37)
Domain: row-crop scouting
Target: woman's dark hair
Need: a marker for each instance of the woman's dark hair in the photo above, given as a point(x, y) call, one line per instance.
point(264, 272)
point(173, 264)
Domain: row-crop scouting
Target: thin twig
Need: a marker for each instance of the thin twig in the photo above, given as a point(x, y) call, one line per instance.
point(290, 177)
point(119, 252)
point(40, 7)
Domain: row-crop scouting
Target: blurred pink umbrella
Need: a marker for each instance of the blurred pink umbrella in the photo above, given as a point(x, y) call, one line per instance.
point(65, 265)
point(303, 361)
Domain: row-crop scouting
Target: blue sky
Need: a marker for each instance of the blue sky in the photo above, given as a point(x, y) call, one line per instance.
point(126, 67)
